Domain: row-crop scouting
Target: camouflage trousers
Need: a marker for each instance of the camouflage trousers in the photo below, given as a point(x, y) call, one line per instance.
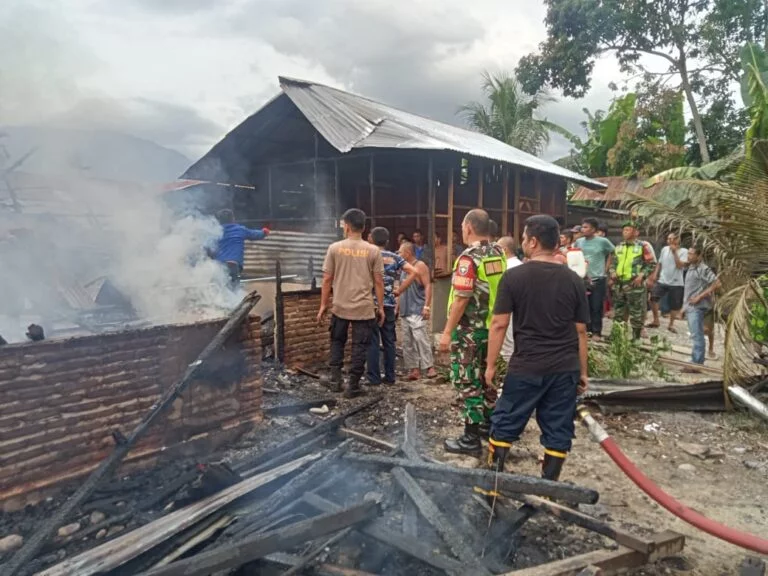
point(631, 301)
point(468, 353)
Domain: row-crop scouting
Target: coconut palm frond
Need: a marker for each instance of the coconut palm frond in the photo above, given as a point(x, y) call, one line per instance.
point(729, 221)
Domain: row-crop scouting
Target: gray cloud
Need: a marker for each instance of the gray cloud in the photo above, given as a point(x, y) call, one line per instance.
point(175, 126)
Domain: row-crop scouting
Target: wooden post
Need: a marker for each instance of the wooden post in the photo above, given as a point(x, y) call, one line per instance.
point(373, 191)
point(505, 202)
point(279, 316)
point(480, 185)
point(449, 240)
point(537, 190)
point(336, 199)
point(431, 209)
point(517, 205)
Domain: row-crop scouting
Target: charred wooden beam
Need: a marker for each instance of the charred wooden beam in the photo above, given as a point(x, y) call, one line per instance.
point(290, 491)
point(381, 533)
point(590, 523)
point(257, 546)
point(128, 546)
point(410, 512)
point(297, 452)
point(439, 521)
point(307, 558)
point(33, 545)
point(609, 561)
point(475, 476)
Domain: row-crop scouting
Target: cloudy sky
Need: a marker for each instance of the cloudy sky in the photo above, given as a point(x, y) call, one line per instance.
point(184, 72)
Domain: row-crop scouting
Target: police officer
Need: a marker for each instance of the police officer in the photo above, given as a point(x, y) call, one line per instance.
point(631, 266)
point(476, 276)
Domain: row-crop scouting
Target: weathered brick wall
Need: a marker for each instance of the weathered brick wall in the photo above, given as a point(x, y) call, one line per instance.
point(306, 343)
point(60, 400)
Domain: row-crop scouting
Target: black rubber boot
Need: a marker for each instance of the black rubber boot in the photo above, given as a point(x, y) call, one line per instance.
point(467, 444)
point(552, 466)
point(336, 381)
point(497, 456)
point(353, 389)
point(485, 430)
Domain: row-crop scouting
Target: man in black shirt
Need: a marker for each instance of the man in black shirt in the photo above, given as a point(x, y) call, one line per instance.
point(549, 365)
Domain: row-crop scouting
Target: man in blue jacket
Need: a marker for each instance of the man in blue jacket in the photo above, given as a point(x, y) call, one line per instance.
point(231, 248)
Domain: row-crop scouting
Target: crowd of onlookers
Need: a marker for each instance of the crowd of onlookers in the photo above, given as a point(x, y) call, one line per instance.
point(625, 280)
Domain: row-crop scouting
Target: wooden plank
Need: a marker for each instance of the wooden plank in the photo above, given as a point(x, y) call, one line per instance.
point(516, 194)
point(336, 199)
point(609, 561)
point(475, 476)
point(590, 523)
point(126, 547)
point(431, 215)
point(505, 202)
point(439, 521)
point(480, 183)
point(260, 545)
point(381, 533)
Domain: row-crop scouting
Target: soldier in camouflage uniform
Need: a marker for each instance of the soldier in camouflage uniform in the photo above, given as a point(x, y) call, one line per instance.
point(632, 264)
point(476, 275)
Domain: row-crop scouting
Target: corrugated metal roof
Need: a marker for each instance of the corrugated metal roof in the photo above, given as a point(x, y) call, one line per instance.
point(293, 249)
point(617, 188)
point(348, 121)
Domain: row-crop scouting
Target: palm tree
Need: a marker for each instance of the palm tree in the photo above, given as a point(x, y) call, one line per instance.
point(724, 206)
point(509, 114)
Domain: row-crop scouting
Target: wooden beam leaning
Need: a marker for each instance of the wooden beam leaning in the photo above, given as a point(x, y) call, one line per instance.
point(590, 523)
point(609, 561)
point(441, 523)
point(475, 476)
point(260, 545)
point(381, 533)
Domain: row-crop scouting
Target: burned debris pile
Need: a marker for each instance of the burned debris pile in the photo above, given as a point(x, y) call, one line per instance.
point(332, 500)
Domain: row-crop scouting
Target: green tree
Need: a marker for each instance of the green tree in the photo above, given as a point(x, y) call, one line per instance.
point(696, 39)
point(641, 134)
point(509, 114)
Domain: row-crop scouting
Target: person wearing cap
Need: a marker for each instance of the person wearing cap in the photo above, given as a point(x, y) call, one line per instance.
point(632, 265)
point(231, 248)
point(577, 233)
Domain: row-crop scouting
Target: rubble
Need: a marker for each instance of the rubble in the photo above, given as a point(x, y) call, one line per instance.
point(10, 543)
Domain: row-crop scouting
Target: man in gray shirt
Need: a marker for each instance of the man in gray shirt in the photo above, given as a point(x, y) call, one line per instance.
point(700, 284)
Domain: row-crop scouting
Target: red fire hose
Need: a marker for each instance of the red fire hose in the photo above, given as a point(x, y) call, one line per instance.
point(737, 537)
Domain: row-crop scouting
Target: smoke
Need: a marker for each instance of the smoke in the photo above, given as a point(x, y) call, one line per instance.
point(97, 229)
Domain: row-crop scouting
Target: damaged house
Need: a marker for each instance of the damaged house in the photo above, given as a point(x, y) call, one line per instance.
point(313, 151)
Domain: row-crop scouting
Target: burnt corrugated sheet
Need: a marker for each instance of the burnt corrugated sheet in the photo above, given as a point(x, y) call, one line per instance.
point(348, 121)
point(293, 249)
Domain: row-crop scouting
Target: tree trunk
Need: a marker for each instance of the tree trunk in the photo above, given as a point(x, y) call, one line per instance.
point(765, 19)
point(697, 124)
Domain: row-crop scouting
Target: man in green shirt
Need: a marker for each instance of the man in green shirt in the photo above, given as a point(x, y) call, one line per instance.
point(597, 252)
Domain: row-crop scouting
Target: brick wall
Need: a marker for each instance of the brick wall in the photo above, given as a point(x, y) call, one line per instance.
point(60, 400)
point(306, 343)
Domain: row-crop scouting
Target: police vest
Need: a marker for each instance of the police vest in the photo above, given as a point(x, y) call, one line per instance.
point(625, 260)
point(490, 270)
